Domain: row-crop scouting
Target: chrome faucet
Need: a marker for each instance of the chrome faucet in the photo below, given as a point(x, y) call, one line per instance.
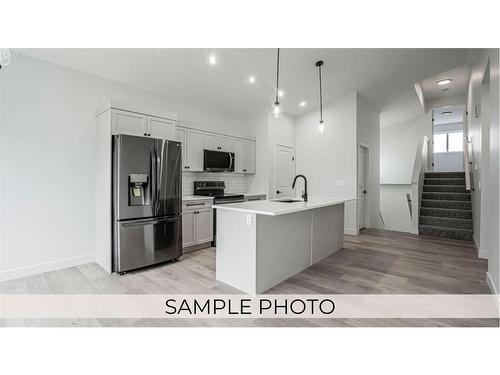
point(304, 194)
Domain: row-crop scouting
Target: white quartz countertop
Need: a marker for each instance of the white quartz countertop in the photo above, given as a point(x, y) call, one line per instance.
point(273, 208)
point(195, 198)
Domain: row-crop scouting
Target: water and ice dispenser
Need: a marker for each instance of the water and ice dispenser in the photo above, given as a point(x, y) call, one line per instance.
point(139, 193)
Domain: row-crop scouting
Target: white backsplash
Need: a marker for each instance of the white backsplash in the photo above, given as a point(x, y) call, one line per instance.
point(235, 182)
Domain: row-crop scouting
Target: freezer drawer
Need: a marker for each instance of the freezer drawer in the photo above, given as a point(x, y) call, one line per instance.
point(142, 243)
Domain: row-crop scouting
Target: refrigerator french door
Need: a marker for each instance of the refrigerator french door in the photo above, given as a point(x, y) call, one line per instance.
point(147, 202)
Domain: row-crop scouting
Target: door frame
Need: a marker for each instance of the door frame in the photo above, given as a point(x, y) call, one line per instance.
point(367, 181)
point(275, 164)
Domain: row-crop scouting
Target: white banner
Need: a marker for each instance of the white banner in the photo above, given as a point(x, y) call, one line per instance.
point(182, 306)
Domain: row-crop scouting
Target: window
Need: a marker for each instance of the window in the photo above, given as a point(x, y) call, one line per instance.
point(448, 142)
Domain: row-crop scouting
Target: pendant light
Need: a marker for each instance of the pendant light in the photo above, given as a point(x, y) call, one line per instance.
point(276, 106)
point(321, 124)
point(4, 57)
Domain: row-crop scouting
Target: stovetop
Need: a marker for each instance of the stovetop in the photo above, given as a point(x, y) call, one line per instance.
point(214, 189)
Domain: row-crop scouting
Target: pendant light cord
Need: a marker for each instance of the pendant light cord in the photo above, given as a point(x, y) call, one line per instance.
point(277, 75)
point(320, 97)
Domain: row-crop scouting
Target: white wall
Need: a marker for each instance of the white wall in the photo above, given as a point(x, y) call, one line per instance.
point(484, 134)
point(398, 147)
point(47, 137)
point(394, 207)
point(449, 162)
point(368, 134)
point(328, 160)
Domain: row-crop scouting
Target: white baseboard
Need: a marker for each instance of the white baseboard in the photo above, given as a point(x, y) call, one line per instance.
point(491, 284)
point(351, 231)
point(481, 253)
point(45, 267)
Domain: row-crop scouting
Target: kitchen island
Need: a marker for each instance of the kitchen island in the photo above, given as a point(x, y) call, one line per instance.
point(262, 243)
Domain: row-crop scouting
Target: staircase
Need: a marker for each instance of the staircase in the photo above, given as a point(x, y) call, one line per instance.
point(445, 206)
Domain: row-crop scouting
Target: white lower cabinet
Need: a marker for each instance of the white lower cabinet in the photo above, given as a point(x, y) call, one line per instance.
point(188, 229)
point(197, 223)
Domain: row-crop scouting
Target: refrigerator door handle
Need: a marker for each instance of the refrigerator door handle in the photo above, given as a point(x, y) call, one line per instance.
point(140, 223)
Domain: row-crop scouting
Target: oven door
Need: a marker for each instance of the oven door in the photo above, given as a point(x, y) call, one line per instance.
point(218, 161)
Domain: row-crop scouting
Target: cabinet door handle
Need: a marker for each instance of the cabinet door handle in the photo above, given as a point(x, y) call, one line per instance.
point(149, 134)
point(244, 170)
point(145, 134)
point(195, 204)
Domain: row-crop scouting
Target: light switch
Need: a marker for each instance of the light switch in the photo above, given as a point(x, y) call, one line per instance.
point(249, 219)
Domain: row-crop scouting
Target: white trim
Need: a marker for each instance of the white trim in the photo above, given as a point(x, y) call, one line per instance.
point(351, 231)
point(491, 284)
point(481, 253)
point(113, 104)
point(46, 267)
point(367, 201)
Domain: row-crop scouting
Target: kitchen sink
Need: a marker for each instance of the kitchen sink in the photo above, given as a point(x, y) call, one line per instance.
point(288, 200)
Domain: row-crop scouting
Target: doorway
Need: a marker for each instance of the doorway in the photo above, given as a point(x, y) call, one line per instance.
point(362, 198)
point(284, 171)
point(448, 138)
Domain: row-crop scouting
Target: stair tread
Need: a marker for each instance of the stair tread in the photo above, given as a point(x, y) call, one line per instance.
point(443, 200)
point(450, 229)
point(445, 217)
point(446, 209)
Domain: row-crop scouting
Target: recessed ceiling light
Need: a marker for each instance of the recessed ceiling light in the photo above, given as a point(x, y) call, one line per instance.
point(302, 104)
point(281, 93)
point(446, 113)
point(251, 79)
point(444, 82)
point(212, 60)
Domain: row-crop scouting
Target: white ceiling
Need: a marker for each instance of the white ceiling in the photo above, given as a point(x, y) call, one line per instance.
point(381, 75)
point(459, 83)
point(457, 114)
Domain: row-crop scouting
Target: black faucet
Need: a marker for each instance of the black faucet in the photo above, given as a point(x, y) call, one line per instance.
point(304, 194)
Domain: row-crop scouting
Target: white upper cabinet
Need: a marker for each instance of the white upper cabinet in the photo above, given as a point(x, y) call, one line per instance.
point(181, 137)
point(211, 141)
point(226, 143)
point(239, 155)
point(129, 123)
point(194, 150)
point(137, 124)
point(218, 142)
point(249, 159)
point(160, 128)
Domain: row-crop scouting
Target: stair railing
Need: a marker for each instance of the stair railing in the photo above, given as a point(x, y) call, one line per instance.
point(467, 148)
point(420, 166)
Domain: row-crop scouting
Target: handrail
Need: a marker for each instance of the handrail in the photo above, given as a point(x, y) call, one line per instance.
point(467, 149)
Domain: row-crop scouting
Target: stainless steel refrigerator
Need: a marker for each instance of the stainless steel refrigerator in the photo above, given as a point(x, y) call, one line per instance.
point(147, 202)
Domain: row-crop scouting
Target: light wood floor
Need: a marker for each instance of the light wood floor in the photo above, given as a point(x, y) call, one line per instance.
point(374, 262)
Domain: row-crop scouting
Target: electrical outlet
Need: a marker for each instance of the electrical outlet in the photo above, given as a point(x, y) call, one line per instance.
point(249, 219)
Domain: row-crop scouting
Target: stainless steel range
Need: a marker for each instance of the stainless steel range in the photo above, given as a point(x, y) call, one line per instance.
point(216, 189)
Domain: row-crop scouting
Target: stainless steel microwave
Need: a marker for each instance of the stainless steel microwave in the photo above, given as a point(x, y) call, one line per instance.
point(218, 161)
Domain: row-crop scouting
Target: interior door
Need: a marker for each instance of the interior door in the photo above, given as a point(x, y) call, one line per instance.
point(284, 171)
point(362, 189)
